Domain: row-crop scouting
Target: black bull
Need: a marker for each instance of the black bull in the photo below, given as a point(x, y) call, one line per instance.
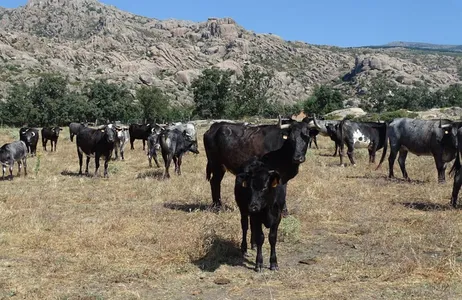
point(422, 137)
point(230, 145)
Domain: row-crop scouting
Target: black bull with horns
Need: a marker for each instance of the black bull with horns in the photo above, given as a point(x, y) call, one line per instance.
point(229, 145)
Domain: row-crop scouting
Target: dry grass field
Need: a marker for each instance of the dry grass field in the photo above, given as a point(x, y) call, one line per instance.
point(351, 233)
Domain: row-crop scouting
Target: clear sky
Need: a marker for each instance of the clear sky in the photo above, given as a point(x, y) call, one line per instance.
point(328, 22)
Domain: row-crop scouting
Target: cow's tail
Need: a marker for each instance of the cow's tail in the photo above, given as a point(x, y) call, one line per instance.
point(385, 147)
point(208, 171)
point(456, 166)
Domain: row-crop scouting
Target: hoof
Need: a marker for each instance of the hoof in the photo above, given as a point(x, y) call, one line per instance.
point(258, 268)
point(274, 267)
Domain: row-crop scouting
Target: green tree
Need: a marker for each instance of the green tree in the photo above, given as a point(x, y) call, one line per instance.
point(212, 93)
point(324, 99)
point(17, 108)
point(47, 98)
point(252, 92)
point(110, 101)
point(154, 104)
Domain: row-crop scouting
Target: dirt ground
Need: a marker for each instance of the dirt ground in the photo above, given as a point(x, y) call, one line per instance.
point(351, 234)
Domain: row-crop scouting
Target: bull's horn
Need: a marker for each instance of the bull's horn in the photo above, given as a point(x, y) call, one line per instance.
point(102, 127)
point(316, 123)
point(279, 121)
point(284, 126)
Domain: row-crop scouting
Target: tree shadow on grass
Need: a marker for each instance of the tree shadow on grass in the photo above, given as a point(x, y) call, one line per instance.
point(221, 252)
point(427, 206)
point(156, 174)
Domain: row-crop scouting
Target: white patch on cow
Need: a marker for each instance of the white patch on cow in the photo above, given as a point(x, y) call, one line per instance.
point(33, 133)
point(360, 140)
point(168, 142)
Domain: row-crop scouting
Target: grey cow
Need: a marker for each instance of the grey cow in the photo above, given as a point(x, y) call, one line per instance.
point(123, 136)
point(153, 144)
point(74, 129)
point(422, 137)
point(9, 153)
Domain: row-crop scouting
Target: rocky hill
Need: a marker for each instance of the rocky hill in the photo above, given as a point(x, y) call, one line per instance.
point(86, 40)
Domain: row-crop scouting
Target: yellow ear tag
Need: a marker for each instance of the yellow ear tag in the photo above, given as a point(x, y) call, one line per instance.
point(446, 132)
point(285, 137)
point(275, 182)
point(244, 184)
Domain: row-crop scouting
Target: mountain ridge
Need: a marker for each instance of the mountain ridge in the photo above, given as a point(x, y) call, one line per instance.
point(89, 40)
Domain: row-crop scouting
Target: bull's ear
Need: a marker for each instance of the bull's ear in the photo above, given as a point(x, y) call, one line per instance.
point(275, 179)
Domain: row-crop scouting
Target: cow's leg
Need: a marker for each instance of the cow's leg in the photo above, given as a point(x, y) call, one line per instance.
point(80, 161)
point(19, 168)
point(341, 153)
point(106, 164)
point(168, 161)
point(122, 150)
point(273, 236)
point(336, 148)
point(33, 150)
point(24, 162)
point(155, 159)
point(144, 144)
point(86, 167)
point(179, 164)
point(71, 136)
point(11, 170)
point(402, 163)
point(253, 244)
point(441, 168)
point(97, 156)
point(56, 142)
point(245, 228)
point(3, 172)
point(315, 142)
point(372, 150)
point(391, 160)
point(116, 150)
point(350, 153)
point(44, 144)
point(175, 162)
point(456, 188)
point(259, 239)
point(215, 185)
point(131, 143)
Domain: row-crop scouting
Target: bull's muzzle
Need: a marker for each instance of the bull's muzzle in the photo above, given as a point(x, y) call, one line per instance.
point(299, 159)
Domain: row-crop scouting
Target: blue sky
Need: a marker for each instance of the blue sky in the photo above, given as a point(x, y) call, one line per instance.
point(328, 22)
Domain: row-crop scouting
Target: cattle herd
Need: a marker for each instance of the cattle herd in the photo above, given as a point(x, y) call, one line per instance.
point(264, 158)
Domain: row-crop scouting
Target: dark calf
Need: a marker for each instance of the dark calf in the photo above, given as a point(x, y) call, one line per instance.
point(30, 137)
point(52, 134)
point(97, 143)
point(139, 132)
point(260, 195)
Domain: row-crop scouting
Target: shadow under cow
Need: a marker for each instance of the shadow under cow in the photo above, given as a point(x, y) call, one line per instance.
point(75, 174)
point(156, 174)
point(221, 252)
point(192, 207)
point(427, 206)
